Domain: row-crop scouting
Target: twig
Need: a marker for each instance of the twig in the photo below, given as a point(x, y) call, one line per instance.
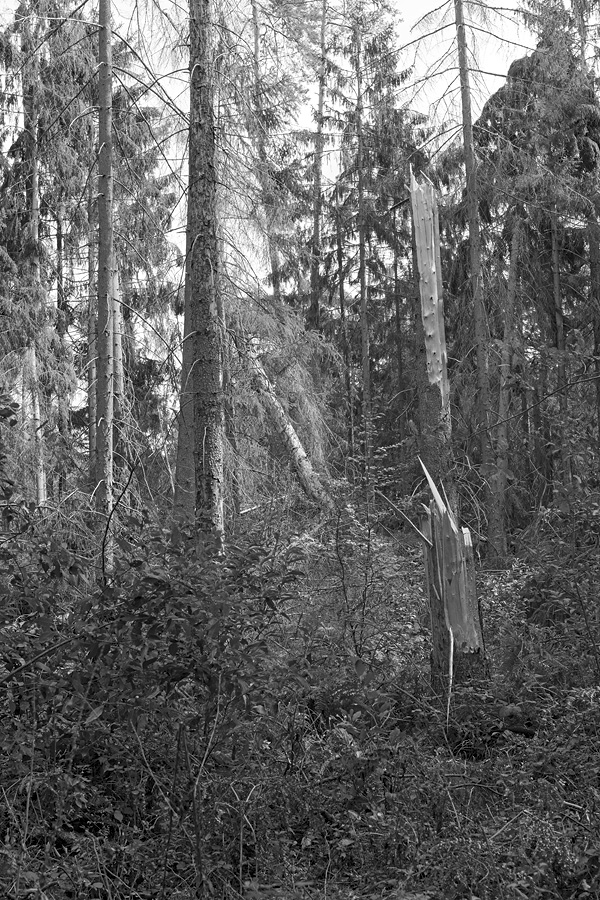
point(506, 824)
point(405, 518)
point(30, 662)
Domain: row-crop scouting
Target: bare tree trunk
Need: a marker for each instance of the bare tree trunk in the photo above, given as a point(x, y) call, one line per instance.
point(119, 437)
point(30, 116)
point(184, 504)
point(105, 364)
point(398, 328)
point(562, 434)
point(92, 347)
point(479, 313)
point(344, 325)
point(229, 410)
point(62, 398)
point(36, 427)
point(308, 478)
point(314, 316)
point(438, 421)
point(594, 242)
point(497, 539)
point(367, 409)
point(264, 178)
point(207, 376)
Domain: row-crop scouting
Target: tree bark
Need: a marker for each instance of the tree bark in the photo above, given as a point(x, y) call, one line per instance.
point(562, 432)
point(30, 122)
point(308, 478)
point(344, 324)
point(264, 178)
point(367, 407)
point(497, 539)
point(314, 316)
point(434, 389)
point(92, 349)
point(119, 404)
point(105, 381)
point(458, 651)
point(479, 313)
point(594, 245)
point(207, 378)
point(184, 504)
point(62, 398)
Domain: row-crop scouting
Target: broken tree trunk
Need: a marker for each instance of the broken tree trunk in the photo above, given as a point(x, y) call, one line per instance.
point(301, 464)
point(457, 651)
point(436, 424)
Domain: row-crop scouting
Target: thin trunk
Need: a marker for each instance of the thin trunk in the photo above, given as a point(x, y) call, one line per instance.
point(314, 316)
point(362, 267)
point(344, 325)
point(561, 362)
point(207, 376)
point(308, 478)
point(61, 328)
point(543, 437)
point(594, 242)
point(105, 364)
point(397, 323)
point(119, 372)
point(230, 412)
point(497, 538)
point(184, 503)
point(479, 313)
point(92, 348)
point(264, 178)
point(36, 426)
point(31, 128)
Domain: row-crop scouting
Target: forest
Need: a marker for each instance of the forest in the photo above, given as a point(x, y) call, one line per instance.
point(299, 451)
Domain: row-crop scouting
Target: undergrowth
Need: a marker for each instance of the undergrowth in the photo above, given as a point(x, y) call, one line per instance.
point(260, 725)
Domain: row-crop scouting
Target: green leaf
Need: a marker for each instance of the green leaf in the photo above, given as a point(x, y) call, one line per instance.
point(361, 667)
point(95, 714)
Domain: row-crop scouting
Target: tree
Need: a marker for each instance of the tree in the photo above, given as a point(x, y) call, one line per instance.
point(202, 273)
point(105, 342)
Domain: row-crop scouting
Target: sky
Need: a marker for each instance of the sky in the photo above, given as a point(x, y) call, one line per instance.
point(496, 41)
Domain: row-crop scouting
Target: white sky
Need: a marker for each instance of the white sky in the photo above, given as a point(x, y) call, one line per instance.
point(496, 45)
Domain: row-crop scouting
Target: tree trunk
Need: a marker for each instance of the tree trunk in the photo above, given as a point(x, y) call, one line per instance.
point(92, 347)
point(230, 412)
point(105, 341)
point(435, 425)
point(308, 478)
point(367, 408)
point(264, 178)
point(479, 313)
point(119, 437)
point(36, 427)
point(184, 504)
point(543, 438)
point(314, 316)
point(398, 331)
point(497, 539)
point(62, 398)
point(562, 431)
point(344, 325)
point(457, 652)
point(594, 242)
point(30, 117)
point(207, 379)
